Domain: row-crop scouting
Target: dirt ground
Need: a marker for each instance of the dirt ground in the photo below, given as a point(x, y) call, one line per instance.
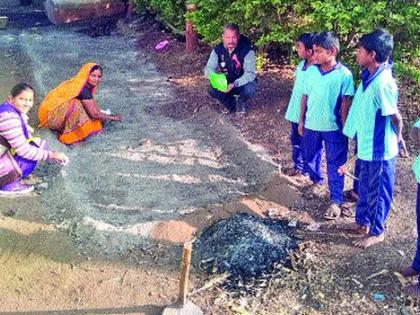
point(44, 271)
point(81, 242)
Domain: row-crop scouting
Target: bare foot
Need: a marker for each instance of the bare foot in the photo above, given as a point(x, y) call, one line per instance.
point(355, 228)
point(369, 241)
point(408, 272)
point(412, 290)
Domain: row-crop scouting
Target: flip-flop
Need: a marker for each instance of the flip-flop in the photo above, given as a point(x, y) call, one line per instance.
point(333, 212)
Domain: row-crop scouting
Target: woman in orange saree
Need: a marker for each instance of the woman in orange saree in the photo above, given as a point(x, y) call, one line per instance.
point(70, 109)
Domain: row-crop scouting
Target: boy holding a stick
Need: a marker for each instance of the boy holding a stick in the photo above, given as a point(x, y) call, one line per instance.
point(376, 124)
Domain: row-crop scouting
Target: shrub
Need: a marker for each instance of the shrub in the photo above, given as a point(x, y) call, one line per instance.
point(170, 11)
point(279, 22)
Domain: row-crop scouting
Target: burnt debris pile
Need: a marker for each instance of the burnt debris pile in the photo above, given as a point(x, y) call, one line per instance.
point(243, 246)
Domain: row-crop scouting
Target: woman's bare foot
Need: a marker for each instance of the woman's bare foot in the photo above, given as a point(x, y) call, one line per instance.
point(408, 272)
point(355, 228)
point(412, 290)
point(369, 241)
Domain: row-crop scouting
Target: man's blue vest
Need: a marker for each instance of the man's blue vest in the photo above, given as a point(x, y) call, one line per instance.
point(232, 64)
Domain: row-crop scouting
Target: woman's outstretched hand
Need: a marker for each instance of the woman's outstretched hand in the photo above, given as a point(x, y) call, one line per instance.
point(115, 117)
point(60, 157)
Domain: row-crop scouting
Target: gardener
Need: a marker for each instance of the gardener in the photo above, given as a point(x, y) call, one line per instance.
point(234, 57)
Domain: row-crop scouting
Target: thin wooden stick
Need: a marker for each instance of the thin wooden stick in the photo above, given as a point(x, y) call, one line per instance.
point(185, 273)
point(211, 283)
point(350, 161)
point(346, 165)
point(351, 176)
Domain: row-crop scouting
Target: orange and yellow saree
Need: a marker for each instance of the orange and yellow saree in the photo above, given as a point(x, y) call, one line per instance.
point(62, 112)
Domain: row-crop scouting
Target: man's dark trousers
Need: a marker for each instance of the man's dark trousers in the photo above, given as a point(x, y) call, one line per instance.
point(228, 100)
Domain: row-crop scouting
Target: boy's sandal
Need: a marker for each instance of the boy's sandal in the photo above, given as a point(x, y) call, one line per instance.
point(333, 212)
point(348, 210)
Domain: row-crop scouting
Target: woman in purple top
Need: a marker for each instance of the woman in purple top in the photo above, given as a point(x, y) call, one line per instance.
point(19, 151)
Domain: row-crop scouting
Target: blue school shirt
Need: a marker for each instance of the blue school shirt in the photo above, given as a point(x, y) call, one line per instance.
point(369, 119)
point(325, 91)
point(416, 165)
point(293, 109)
point(416, 169)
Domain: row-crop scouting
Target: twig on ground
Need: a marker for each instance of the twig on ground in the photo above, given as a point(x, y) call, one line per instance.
point(382, 272)
point(124, 276)
point(197, 109)
point(211, 283)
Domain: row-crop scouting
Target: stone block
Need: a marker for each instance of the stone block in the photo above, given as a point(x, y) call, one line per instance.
point(68, 11)
point(9, 3)
point(4, 22)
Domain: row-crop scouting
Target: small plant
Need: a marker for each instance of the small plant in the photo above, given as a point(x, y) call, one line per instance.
point(261, 60)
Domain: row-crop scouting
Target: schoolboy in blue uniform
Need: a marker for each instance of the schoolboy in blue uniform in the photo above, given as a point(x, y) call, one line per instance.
point(375, 122)
point(414, 270)
point(328, 88)
point(304, 47)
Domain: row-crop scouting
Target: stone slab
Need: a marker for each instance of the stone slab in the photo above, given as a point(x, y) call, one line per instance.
point(188, 309)
point(68, 11)
point(9, 3)
point(4, 21)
